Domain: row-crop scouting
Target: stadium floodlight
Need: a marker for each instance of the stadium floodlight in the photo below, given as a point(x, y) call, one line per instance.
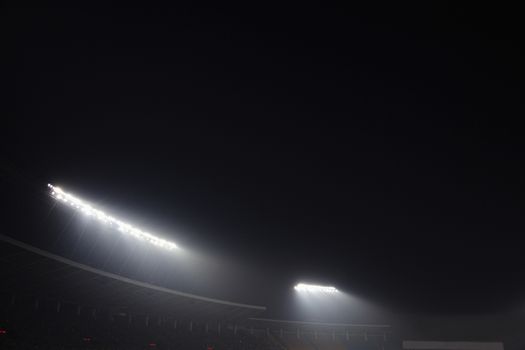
point(303, 287)
point(124, 227)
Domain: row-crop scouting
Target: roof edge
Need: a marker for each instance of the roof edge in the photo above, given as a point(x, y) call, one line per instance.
point(306, 323)
point(61, 259)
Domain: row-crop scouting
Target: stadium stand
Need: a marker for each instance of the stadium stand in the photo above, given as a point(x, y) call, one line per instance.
point(49, 302)
point(297, 335)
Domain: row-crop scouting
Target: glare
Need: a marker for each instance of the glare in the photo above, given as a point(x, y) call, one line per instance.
point(303, 287)
point(124, 227)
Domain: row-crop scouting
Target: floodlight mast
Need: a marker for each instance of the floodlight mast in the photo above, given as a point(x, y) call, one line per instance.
point(303, 287)
point(124, 227)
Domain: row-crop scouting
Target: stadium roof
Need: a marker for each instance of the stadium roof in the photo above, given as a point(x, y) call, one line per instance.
point(29, 270)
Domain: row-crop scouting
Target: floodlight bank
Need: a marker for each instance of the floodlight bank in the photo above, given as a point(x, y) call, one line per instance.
point(124, 227)
point(302, 287)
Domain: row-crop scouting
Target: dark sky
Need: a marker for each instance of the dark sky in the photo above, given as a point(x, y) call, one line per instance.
point(376, 149)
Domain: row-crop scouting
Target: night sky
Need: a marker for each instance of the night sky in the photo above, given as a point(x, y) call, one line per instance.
point(376, 149)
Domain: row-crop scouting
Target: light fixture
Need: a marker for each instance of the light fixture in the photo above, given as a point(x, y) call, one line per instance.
point(124, 227)
point(303, 287)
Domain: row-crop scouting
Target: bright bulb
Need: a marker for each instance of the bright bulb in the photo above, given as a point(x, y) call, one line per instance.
point(88, 210)
point(303, 287)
